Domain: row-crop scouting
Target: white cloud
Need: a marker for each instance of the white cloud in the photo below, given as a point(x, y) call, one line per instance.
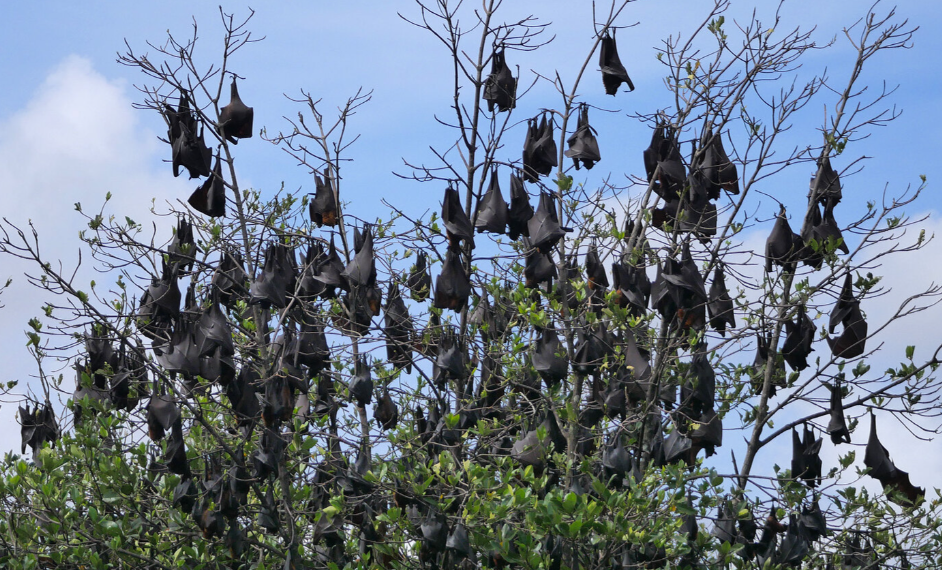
point(75, 140)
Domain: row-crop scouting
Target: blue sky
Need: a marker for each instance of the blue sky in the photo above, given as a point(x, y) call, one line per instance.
point(69, 133)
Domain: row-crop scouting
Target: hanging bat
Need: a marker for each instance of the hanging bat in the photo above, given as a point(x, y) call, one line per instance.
point(213, 330)
point(268, 512)
point(716, 167)
point(419, 281)
point(811, 523)
point(617, 462)
point(162, 414)
point(663, 163)
point(492, 209)
point(633, 285)
point(837, 426)
point(386, 411)
point(399, 330)
point(806, 460)
point(182, 249)
point(852, 341)
point(191, 152)
point(452, 286)
point(895, 481)
point(361, 272)
point(520, 211)
point(361, 385)
point(235, 119)
point(229, 279)
point(451, 362)
point(323, 207)
point(545, 231)
point(720, 305)
point(175, 453)
point(782, 246)
point(457, 224)
point(539, 149)
point(799, 335)
point(698, 389)
point(37, 426)
point(549, 357)
point(826, 183)
point(500, 87)
point(583, 146)
point(596, 278)
point(613, 72)
point(538, 267)
point(210, 197)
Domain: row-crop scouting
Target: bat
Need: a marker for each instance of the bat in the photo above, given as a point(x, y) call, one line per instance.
point(594, 344)
point(399, 330)
point(782, 246)
point(895, 481)
point(538, 267)
point(806, 460)
point(278, 400)
point(794, 547)
point(185, 495)
point(520, 211)
point(698, 389)
point(160, 304)
point(853, 339)
point(419, 281)
point(386, 411)
point(210, 197)
point(544, 229)
point(663, 163)
point(719, 303)
point(452, 360)
point(799, 335)
point(617, 462)
point(539, 149)
point(329, 272)
point(268, 512)
point(500, 87)
point(175, 453)
point(277, 278)
point(549, 357)
point(716, 167)
point(190, 152)
point(596, 278)
point(269, 455)
point(492, 209)
point(708, 434)
point(459, 543)
point(360, 305)
point(310, 345)
point(182, 249)
point(361, 272)
point(825, 184)
point(235, 119)
point(434, 531)
point(765, 356)
point(679, 447)
point(213, 330)
point(583, 146)
point(697, 214)
point(37, 426)
point(452, 286)
point(182, 116)
point(823, 230)
point(323, 207)
point(633, 286)
point(613, 72)
point(679, 293)
point(811, 523)
point(162, 414)
point(361, 385)
point(457, 224)
point(229, 278)
point(837, 426)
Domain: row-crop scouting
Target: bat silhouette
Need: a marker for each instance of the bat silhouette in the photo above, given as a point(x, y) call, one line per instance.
point(594, 344)
point(386, 411)
point(697, 214)
point(323, 207)
point(185, 495)
point(269, 455)
point(717, 169)
point(613, 72)
point(130, 370)
point(452, 360)
point(617, 463)
point(720, 305)
point(235, 119)
point(663, 163)
point(765, 357)
point(210, 197)
point(794, 547)
point(783, 245)
point(708, 433)
point(160, 304)
point(175, 452)
point(459, 543)
point(182, 116)
point(268, 512)
point(328, 272)
point(361, 385)
point(895, 481)
point(806, 462)
point(310, 345)
point(583, 147)
point(837, 426)
point(811, 523)
point(213, 330)
point(182, 249)
point(399, 330)
point(492, 209)
point(549, 357)
point(452, 286)
point(500, 87)
point(679, 293)
point(360, 305)
point(37, 426)
point(419, 281)
point(191, 152)
point(538, 267)
point(823, 230)
point(242, 398)
point(539, 149)
point(596, 278)
point(799, 334)
point(826, 183)
point(276, 279)
point(229, 279)
point(361, 272)
point(520, 211)
point(545, 231)
point(633, 285)
point(852, 340)
point(457, 224)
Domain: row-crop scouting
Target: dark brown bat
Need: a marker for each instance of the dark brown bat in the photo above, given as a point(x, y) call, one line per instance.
point(799, 335)
point(538, 267)
point(492, 209)
point(277, 278)
point(213, 330)
point(783, 245)
point(268, 512)
point(520, 211)
point(718, 170)
point(361, 272)
point(191, 152)
point(806, 462)
point(895, 481)
point(419, 281)
point(663, 163)
point(452, 286)
point(825, 184)
point(361, 385)
point(853, 339)
point(235, 119)
point(452, 360)
point(37, 426)
point(175, 453)
point(549, 357)
point(210, 197)
point(457, 224)
point(583, 146)
point(182, 249)
point(720, 305)
point(596, 278)
point(837, 426)
point(613, 72)
point(323, 207)
point(633, 285)
point(230, 279)
point(386, 411)
point(399, 330)
point(698, 389)
point(500, 87)
point(545, 231)
point(594, 344)
point(539, 149)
